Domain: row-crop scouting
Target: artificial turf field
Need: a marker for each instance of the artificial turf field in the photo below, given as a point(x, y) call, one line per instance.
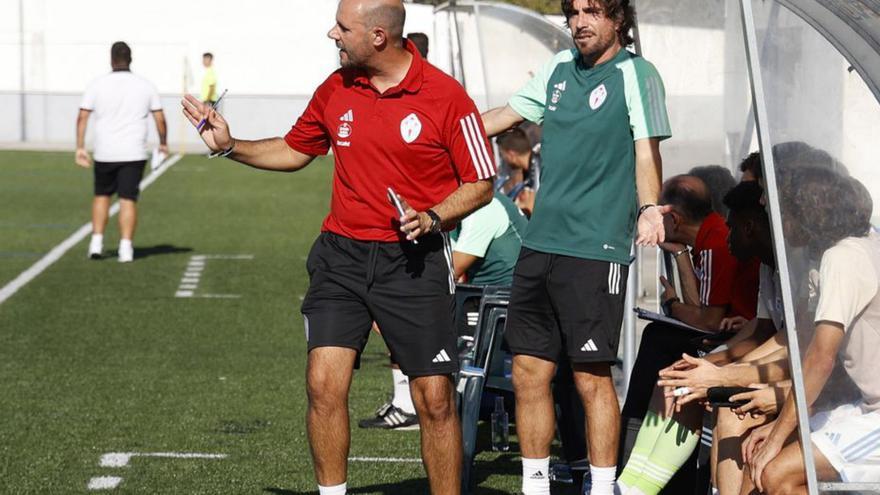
point(98, 357)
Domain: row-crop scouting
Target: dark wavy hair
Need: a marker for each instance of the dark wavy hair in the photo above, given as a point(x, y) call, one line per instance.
point(618, 10)
point(823, 205)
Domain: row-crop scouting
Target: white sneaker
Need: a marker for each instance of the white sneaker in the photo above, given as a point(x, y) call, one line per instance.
point(126, 252)
point(96, 247)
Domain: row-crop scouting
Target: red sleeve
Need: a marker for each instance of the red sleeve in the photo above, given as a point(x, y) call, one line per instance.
point(309, 135)
point(718, 271)
point(466, 139)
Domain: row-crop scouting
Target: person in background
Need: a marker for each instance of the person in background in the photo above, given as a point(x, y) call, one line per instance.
point(209, 93)
point(719, 180)
point(122, 103)
point(421, 42)
point(524, 164)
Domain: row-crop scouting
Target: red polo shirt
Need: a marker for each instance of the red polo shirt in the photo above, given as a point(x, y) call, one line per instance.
point(423, 138)
point(723, 280)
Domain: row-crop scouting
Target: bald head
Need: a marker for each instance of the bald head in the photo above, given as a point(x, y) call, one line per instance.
point(388, 15)
point(689, 196)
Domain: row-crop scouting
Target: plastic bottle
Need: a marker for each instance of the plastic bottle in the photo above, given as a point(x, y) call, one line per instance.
point(500, 426)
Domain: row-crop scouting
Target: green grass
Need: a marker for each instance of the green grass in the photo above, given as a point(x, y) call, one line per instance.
point(98, 357)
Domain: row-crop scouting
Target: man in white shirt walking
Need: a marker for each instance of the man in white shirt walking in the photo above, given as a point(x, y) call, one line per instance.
point(121, 102)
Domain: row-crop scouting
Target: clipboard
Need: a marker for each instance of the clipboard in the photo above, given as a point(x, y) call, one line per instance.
point(644, 314)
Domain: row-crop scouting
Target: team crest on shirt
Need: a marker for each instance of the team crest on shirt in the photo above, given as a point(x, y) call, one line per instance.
point(410, 128)
point(557, 95)
point(344, 130)
point(597, 97)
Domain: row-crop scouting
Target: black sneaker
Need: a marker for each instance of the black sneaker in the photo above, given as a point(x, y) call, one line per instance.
point(389, 417)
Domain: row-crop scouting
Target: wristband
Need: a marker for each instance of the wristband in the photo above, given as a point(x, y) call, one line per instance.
point(224, 153)
point(679, 253)
point(643, 208)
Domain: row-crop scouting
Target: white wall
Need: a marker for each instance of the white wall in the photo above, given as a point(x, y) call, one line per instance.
point(270, 54)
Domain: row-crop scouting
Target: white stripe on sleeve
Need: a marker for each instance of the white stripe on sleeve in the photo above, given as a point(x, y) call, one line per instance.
point(469, 138)
point(481, 145)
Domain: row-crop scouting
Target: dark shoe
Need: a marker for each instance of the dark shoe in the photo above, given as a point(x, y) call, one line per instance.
point(389, 417)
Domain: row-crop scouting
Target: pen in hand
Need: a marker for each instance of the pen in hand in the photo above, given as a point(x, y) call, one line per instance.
point(213, 107)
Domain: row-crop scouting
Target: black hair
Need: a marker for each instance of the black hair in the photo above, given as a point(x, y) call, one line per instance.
point(514, 140)
point(745, 199)
point(752, 164)
point(120, 53)
point(421, 42)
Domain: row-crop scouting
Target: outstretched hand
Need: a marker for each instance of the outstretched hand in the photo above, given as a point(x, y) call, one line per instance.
point(215, 130)
point(650, 226)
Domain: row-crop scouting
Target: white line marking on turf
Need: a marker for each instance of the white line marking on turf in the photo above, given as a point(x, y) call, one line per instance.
point(223, 257)
point(193, 272)
point(383, 459)
point(121, 459)
point(58, 251)
point(104, 482)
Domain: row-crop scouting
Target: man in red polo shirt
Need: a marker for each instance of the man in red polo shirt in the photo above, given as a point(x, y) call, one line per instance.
point(392, 120)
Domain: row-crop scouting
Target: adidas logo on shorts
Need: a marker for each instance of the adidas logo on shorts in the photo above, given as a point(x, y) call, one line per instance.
point(537, 476)
point(441, 357)
point(590, 346)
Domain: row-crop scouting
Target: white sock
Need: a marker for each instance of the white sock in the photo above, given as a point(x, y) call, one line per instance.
point(603, 479)
point(402, 398)
point(331, 490)
point(98, 238)
point(535, 478)
point(124, 242)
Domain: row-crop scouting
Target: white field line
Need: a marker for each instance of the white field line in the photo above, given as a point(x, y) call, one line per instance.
point(121, 459)
point(104, 482)
point(201, 257)
point(384, 459)
point(193, 272)
point(58, 251)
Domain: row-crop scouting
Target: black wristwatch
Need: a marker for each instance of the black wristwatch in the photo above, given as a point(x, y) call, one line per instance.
point(667, 305)
point(436, 224)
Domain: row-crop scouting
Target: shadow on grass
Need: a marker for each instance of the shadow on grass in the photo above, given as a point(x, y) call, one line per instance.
point(144, 252)
point(507, 464)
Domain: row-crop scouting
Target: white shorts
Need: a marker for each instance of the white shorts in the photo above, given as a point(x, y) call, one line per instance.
point(850, 439)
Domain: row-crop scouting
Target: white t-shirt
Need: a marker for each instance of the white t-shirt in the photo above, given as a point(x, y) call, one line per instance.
point(849, 294)
point(121, 103)
point(770, 305)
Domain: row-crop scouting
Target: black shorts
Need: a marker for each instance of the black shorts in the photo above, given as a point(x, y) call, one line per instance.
point(566, 304)
point(407, 289)
point(119, 177)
